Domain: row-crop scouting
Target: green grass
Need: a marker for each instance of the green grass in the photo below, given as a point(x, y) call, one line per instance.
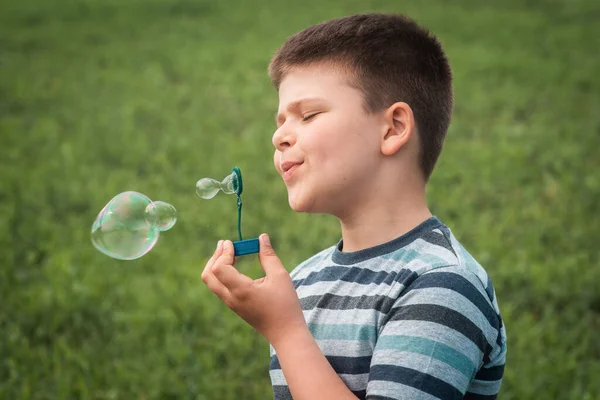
point(100, 97)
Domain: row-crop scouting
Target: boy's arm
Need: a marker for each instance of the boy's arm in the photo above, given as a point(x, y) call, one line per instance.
point(307, 372)
point(270, 305)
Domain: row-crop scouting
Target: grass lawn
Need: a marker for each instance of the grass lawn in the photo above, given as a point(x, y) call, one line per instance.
point(101, 97)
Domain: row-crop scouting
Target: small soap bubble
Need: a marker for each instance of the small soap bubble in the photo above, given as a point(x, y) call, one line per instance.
point(161, 216)
point(207, 188)
point(130, 224)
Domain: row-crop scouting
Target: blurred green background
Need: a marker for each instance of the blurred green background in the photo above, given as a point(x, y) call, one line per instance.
point(98, 97)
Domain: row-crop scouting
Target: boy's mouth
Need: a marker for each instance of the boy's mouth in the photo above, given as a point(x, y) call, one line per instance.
point(288, 168)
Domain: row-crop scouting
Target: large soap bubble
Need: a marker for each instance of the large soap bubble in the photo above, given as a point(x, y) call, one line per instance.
point(130, 224)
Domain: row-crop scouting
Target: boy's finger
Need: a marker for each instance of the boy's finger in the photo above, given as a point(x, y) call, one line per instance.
point(267, 256)
point(217, 287)
point(230, 277)
point(228, 253)
point(216, 254)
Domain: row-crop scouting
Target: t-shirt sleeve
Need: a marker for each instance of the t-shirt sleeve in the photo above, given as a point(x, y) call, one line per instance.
point(435, 338)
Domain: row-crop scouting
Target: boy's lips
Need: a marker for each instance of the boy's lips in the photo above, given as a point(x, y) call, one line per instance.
point(288, 168)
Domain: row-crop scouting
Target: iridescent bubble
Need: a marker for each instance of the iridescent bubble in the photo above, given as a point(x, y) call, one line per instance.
point(130, 224)
point(161, 215)
point(207, 188)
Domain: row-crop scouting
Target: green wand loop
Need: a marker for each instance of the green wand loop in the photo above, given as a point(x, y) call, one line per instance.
point(207, 188)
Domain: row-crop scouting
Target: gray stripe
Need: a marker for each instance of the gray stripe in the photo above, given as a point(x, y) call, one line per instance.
point(355, 382)
point(356, 316)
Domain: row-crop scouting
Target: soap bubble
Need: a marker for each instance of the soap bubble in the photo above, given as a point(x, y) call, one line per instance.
point(161, 216)
point(207, 188)
point(130, 224)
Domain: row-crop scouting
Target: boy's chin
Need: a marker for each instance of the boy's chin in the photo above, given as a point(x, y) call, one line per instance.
point(300, 204)
point(306, 205)
point(297, 206)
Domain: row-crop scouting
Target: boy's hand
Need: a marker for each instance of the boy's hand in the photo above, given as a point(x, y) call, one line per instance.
point(269, 304)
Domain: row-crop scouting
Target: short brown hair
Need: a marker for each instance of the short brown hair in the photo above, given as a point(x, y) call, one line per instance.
point(390, 58)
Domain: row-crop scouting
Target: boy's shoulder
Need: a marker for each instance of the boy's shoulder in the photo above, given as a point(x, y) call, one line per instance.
point(426, 248)
point(437, 250)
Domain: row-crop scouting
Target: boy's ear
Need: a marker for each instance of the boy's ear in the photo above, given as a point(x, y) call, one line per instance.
point(400, 125)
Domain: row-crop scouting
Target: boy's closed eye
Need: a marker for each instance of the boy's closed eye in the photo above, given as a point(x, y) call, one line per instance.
point(308, 117)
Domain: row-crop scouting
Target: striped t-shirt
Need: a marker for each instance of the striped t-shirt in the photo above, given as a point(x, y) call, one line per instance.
point(413, 318)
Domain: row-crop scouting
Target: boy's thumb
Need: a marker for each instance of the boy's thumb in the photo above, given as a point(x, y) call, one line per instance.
point(267, 256)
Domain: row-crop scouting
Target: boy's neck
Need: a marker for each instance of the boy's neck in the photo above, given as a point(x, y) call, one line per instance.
point(383, 219)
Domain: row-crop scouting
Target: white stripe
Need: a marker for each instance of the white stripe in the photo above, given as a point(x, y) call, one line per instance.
point(316, 262)
point(457, 248)
point(498, 357)
point(396, 291)
point(346, 348)
point(474, 266)
point(340, 288)
point(424, 247)
point(420, 266)
point(277, 377)
point(334, 317)
point(483, 277)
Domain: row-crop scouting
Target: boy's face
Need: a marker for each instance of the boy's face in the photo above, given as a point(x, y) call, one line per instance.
point(326, 146)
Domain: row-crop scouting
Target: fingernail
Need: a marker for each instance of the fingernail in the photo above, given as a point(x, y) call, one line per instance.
point(219, 245)
point(266, 240)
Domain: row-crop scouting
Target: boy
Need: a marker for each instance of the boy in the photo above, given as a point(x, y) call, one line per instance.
point(398, 309)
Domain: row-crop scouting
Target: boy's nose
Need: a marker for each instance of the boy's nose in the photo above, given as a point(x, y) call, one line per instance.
point(283, 138)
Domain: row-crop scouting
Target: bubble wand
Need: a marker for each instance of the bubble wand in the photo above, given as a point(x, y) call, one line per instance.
point(207, 188)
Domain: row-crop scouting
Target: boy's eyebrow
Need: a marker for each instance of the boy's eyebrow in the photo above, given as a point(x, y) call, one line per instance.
point(296, 104)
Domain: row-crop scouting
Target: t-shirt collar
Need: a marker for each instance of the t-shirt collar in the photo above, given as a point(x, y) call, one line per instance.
point(347, 258)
